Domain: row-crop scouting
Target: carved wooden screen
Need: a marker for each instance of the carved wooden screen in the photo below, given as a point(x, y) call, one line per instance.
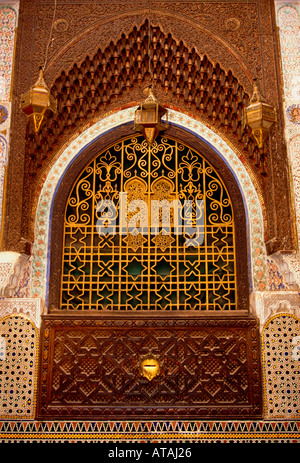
point(157, 264)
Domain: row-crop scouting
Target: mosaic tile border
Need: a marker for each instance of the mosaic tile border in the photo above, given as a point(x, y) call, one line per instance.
point(40, 260)
point(150, 431)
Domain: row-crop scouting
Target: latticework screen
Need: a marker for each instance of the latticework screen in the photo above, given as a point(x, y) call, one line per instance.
point(126, 249)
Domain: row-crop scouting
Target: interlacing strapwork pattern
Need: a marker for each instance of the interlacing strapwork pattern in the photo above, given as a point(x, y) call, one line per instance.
point(149, 269)
point(18, 365)
point(206, 369)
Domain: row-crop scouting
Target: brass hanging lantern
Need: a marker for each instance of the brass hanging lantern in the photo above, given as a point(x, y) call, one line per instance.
point(38, 103)
point(259, 116)
point(148, 118)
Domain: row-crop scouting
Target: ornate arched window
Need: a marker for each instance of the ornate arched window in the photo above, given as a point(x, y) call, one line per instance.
point(149, 228)
point(148, 288)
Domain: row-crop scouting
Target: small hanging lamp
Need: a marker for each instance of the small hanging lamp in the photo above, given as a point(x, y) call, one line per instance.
point(38, 103)
point(259, 116)
point(148, 118)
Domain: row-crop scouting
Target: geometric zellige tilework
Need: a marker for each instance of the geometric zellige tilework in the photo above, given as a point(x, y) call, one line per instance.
point(18, 365)
point(126, 431)
point(281, 365)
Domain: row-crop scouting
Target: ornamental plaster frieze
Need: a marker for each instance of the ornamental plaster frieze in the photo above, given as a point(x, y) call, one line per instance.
point(30, 307)
point(265, 304)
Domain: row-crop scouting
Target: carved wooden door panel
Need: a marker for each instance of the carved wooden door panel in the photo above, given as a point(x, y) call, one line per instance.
point(151, 317)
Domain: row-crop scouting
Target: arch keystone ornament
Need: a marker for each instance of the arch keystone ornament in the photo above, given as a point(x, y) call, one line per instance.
point(149, 366)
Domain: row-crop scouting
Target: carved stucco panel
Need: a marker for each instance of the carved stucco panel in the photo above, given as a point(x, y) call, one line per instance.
point(265, 304)
point(31, 307)
point(12, 266)
point(8, 24)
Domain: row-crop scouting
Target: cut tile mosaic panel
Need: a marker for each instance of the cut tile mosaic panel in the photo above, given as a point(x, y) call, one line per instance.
point(281, 364)
point(18, 365)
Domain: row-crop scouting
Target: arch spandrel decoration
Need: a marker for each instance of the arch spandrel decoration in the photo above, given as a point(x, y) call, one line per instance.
point(159, 257)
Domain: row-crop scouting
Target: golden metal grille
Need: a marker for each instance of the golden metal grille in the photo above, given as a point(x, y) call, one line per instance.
point(149, 270)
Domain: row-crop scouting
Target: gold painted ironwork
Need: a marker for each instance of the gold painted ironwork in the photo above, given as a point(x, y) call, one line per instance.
point(148, 271)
